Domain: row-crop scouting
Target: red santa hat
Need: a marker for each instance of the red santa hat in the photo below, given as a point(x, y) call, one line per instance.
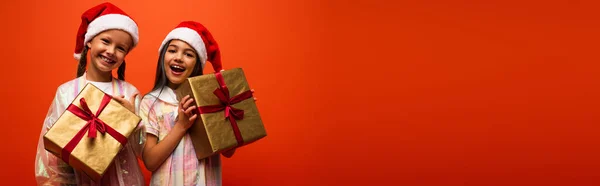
point(197, 36)
point(102, 17)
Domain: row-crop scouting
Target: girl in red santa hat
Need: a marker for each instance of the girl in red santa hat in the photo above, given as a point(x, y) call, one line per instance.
point(168, 150)
point(108, 34)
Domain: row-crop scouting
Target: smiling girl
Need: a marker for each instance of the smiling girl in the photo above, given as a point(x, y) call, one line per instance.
point(108, 34)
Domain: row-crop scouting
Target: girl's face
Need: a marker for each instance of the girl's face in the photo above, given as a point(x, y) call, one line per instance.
point(108, 49)
point(179, 62)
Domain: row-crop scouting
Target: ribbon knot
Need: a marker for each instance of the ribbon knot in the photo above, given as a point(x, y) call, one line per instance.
point(227, 102)
point(95, 124)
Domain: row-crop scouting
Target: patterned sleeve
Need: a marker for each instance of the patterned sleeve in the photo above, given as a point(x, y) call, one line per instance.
point(138, 136)
point(50, 170)
point(148, 115)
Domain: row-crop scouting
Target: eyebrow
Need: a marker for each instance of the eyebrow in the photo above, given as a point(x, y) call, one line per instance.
point(185, 49)
point(190, 50)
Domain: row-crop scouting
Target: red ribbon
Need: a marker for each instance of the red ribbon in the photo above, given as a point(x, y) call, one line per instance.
point(231, 113)
point(93, 124)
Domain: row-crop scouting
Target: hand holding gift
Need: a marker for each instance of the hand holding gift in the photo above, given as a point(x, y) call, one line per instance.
point(228, 118)
point(186, 116)
point(130, 105)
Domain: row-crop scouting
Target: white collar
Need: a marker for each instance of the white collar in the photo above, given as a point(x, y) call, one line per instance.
point(167, 95)
point(84, 77)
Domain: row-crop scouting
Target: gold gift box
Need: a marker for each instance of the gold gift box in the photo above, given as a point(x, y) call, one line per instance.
point(93, 156)
point(213, 133)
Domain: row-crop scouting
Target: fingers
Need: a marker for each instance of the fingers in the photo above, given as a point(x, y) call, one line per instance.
point(188, 102)
point(189, 110)
point(193, 118)
point(120, 99)
point(184, 105)
point(183, 100)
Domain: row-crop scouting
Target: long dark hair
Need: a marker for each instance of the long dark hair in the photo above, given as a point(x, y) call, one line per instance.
point(83, 64)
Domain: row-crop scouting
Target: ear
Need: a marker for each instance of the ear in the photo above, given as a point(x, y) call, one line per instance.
point(88, 45)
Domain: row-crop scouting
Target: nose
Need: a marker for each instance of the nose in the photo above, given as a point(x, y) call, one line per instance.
point(178, 57)
point(110, 50)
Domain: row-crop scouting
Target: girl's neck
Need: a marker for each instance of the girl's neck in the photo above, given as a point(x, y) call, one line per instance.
point(98, 76)
point(173, 86)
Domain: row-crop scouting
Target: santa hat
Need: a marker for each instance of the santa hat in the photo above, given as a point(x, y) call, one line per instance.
point(197, 36)
point(100, 18)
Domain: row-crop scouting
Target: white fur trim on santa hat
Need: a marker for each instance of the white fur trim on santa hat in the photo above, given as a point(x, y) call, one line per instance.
point(191, 37)
point(77, 56)
point(112, 21)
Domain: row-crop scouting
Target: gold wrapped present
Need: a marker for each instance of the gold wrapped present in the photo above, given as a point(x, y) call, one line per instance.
point(228, 115)
point(91, 132)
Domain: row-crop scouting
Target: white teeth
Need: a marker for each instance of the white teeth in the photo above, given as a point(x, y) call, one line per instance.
point(105, 59)
point(178, 67)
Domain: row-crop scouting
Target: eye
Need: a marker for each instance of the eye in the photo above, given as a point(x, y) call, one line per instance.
point(189, 55)
point(171, 51)
point(105, 41)
point(121, 49)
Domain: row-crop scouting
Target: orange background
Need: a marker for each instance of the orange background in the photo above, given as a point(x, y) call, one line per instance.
point(360, 92)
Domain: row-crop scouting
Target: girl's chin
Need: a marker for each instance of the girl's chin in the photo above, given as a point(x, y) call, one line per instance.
point(105, 67)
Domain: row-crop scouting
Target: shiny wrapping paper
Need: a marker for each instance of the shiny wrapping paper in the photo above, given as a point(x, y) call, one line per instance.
point(213, 132)
point(91, 155)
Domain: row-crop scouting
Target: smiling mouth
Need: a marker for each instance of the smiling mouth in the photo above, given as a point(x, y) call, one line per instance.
point(177, 68)
point(107, 60)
